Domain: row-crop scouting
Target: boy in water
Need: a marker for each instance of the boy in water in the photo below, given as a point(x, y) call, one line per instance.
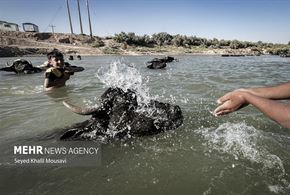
point(56, 75)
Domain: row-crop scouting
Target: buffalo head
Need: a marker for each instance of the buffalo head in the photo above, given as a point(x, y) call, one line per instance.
point(21, 66)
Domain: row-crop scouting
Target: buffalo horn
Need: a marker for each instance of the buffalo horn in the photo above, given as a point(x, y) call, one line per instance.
point(79, 110)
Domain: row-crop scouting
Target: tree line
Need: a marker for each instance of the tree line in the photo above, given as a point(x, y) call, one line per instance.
point(165, 39)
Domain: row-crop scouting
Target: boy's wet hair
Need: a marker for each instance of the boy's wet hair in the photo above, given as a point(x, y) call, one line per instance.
point(55, 53)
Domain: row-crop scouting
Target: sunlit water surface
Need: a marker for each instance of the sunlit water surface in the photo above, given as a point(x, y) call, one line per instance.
point(241, 153)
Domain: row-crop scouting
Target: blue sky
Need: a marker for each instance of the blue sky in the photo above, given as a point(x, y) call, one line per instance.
point(246, 20)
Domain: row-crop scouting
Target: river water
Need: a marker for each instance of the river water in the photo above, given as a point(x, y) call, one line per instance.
point(241, 153)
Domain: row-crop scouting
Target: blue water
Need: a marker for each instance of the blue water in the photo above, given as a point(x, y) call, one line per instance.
point(241, 153)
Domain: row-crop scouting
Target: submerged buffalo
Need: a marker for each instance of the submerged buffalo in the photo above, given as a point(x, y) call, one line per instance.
point(159, 63)
point(67, 66)
point(119, 115)
point(21, 66)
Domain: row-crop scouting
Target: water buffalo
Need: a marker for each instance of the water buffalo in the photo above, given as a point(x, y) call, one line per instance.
point(79, 57)
point(158, 63)
point(67, 66)
point(72, 68)
point(285, 55)
point(21, 66)
point(119, 115)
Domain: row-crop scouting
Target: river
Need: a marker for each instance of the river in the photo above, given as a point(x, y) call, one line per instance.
point(241, 153)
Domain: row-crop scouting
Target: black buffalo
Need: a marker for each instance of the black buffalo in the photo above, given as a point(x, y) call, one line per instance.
point(67, 66)
point(159, 63)
point(119, 115)
point(21, 66)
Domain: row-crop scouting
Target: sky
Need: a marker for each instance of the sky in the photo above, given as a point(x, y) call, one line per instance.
point(244, 20)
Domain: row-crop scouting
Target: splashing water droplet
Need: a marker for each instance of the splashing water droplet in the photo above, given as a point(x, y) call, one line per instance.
point(124, 76)
point(240, 141)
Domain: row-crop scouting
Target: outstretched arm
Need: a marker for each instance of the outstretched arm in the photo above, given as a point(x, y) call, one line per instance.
point(232, 101)
point(279, 92)
point(277, 111)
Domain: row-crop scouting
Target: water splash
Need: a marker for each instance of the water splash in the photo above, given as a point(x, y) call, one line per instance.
point(126, 77)
point(91, 103)
point(244, 142)
point(241, 141)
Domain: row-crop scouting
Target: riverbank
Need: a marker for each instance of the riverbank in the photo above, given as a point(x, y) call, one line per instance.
point(26, 43)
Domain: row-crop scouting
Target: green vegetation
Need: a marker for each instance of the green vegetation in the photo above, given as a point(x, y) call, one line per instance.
point(109, 50)
point(98, 43)
point(193, 43)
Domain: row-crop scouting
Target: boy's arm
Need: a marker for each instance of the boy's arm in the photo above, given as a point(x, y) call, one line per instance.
point(277, 111)
point(277, 92)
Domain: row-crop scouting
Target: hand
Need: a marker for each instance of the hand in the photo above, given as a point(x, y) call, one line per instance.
point(69, 72)
point(231, 102)
point(66, 75)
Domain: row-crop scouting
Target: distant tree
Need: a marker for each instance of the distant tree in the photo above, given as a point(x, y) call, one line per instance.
point(194, 41)
point(131, 38)
point(208, 43)
point(141, 40)
point(270, 45)
point(289, 43)
point(248, 44)
point(215, 43)
point(224, 43)
point(203, 41)
point(162, 38)
point(186, 41)
point(121, 37)
point(235, 44)
point(177, 40)
point(147, 40)
point(260, 44)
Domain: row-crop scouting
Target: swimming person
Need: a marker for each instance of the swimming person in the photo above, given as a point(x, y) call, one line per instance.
point(49, 55)
point(262, 98)
point(56, 75)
